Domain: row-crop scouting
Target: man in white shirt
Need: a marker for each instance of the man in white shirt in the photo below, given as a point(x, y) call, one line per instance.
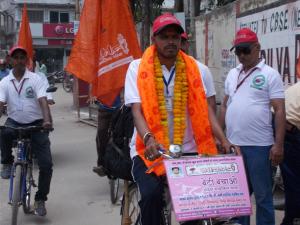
point(25, 96)
point(153, 88)
point(43, 67)
point(250, 90)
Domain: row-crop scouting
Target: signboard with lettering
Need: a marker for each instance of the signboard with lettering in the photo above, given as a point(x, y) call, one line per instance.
point(208, 187)
point(58, 30)
point(67, 42)
point(278, 31)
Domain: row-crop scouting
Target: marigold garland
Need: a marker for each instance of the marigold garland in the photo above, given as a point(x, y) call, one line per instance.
point(179, 100)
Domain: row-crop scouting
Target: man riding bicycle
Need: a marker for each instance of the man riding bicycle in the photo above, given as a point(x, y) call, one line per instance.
point(169, 106)
point(25, 96)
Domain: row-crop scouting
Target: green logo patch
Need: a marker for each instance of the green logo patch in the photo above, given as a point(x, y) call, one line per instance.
point(29, 92)
point(258, 81)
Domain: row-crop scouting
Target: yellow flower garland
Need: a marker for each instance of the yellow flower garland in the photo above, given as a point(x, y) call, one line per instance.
point(179, 100)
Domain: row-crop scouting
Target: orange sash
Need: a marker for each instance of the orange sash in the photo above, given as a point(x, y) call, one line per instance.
point(197, 108)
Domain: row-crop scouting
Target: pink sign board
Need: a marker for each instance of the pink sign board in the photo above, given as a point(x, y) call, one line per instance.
point(58, 30)
point(208, 187)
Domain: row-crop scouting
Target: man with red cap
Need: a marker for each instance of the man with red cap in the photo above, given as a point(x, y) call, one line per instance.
point(25, 96)
point(251, 89)
point(170, 111)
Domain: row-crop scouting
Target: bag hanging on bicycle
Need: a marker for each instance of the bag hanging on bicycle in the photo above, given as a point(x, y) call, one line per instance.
point(117, 159)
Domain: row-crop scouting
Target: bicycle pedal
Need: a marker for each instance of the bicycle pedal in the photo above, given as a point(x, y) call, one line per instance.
point(10, 203)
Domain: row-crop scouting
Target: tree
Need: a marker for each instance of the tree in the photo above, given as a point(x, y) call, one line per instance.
point(197, 4)
point(145, 11)
point(224, 2)
point(137, 9)
point(179, 6)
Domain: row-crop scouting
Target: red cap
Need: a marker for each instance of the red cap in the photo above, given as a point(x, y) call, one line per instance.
point(244, 37)
point(165, 20)
point(184, 36)
point(17, 47)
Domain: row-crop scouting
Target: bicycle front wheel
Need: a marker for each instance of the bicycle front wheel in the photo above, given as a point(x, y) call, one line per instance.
point(114, 189)
point(16, 196)
point(26, 198)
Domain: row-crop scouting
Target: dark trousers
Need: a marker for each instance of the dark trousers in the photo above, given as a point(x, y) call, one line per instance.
point(259, 176)
point(290, 169)
point(104, 119)
point(41, 149)
point(151, 188)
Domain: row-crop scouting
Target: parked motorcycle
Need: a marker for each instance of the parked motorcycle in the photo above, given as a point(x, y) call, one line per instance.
point(51, 78)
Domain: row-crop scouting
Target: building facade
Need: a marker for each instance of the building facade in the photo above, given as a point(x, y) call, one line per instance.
point(7, 27)
point(52, 29)
point(276, 23)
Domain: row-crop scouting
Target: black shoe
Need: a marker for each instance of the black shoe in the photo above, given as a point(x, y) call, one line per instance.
point(99, 170)
point(39, 208)
point(6, 171)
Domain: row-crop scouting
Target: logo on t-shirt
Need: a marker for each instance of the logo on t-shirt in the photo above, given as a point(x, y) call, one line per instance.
point(29, 92)
point(258, 81)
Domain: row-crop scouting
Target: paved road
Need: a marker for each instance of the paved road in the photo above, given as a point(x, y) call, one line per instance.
point(78, 196)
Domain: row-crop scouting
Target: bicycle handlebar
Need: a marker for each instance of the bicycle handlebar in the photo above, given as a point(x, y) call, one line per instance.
point(171, 155)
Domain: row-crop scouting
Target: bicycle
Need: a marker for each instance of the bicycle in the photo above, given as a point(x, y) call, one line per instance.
point(130, 211)
point(114, 184)
point(22, 180)
point(51, 79)
point(67, 82)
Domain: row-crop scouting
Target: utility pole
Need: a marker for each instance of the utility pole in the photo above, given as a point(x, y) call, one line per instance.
point(75, 79)
point(192, 29)
point(77, 10)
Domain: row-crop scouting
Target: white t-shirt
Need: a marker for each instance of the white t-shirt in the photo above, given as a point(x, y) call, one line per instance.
point(248, 116)
point(292, 104)
point(207, 79)
point(132, 96)
point(46, 82)
point(23, 107)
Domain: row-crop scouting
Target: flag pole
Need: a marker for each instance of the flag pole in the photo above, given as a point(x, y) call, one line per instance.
point(76, 83)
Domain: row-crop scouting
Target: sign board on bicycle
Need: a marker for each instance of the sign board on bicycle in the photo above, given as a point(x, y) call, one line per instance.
point(208, 187)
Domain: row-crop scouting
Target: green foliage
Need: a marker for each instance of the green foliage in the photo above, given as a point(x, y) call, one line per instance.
point(136, 6)
point(224, 2)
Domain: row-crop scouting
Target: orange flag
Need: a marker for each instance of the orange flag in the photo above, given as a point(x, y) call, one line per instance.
point(298, 67)
point(104, 46)
point(25, 38)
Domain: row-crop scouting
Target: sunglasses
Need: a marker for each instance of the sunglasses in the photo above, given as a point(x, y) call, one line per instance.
point(245, 50)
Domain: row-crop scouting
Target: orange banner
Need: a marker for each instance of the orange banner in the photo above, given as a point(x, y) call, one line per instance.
point(298, 67)
point(25, 38)
point(104, 46)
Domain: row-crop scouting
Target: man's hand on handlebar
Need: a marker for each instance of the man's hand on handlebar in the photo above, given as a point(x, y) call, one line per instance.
point(228, 148)
point(152, 147)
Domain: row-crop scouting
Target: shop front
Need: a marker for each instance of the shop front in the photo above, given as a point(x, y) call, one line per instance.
point(55, 46)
